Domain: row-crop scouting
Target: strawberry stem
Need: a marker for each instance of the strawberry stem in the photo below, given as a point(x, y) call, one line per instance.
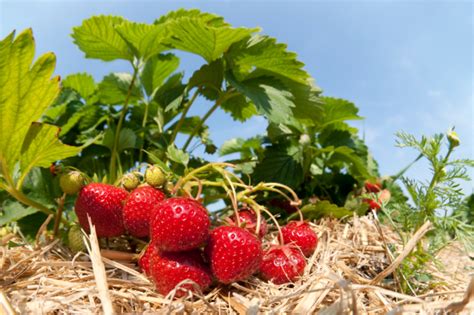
point(114, 156)
point(118, 255)
point(254, 205)
point(59, 214)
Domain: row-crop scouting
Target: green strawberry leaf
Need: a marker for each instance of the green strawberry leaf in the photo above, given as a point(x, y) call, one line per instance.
point(145, 40)
point(114, 88)
point(127, 139)
point(41, 147)
point(271, 99)
point(82, 83)
point(345, 156)
point(177, 155)
point(337, 110)
point(208, 18)
point(239, 108)
point(98, 38)
point(323, 209)
point(209, 79)
point(27, 90)
point(282, 165)
point(196, 35)
point(156, 70)
point(239, 145)
point(13, 211)
point(264, 53)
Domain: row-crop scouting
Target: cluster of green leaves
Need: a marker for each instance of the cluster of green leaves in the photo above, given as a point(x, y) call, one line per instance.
point(323, 157)
point(27, 90)
point(308, 145)
point(440, 200)
point(129, 118)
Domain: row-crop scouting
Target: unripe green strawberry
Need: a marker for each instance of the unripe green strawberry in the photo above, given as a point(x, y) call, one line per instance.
point(75, 240)
point(71, 182)
point(130, 181)
point(154, 176)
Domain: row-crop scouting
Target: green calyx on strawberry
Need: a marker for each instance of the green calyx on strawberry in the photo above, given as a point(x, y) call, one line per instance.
point(71, 182)
point(130, 181)
point(179, 224)
point(154, 176)
point(234, 253)
point(282, 264)
point(248, 221)
point(103, 203)
point(300, 234)
point(139, 208)
point(168, 269)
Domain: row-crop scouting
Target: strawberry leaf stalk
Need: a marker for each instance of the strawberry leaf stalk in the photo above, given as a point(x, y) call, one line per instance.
point(249, 221)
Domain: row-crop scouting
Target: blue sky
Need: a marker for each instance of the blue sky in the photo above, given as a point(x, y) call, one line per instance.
point(406, 65)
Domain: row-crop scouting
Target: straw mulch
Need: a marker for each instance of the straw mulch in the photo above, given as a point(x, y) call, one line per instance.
point(351, 272)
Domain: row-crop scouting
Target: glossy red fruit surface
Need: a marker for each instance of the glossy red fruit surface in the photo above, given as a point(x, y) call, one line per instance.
point(179, 224)
point(168, 269)
point(138, 209)
point(282, 264)
point(104, 205)
point(300, 234)
point(234, 253)
point(145, 260)
point(373, 187)
point(248, 221)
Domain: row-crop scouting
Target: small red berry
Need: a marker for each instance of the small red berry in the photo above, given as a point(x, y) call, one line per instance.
point(234, 253)
point(138, 209)
point(103, 204)
point(300, 234)
point(282, 264)
point(179, 224)
point(168, 269)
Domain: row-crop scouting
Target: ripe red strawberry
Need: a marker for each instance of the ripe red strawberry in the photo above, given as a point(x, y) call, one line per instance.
point(103, 204)
point(300, 234)
point(248, 221)
point(138, 210)
point(282, 264)
point(234, 253)
point(145, 259)
point(179, 224)
point(168, 269)
point(373, 204)
point(383, 197)
point(372, 187)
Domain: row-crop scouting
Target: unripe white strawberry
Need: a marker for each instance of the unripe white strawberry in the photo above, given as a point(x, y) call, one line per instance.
point(154, 176)
point(71, 182)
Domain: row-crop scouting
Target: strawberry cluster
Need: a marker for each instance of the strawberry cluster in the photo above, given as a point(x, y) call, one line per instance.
point(187, 251)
